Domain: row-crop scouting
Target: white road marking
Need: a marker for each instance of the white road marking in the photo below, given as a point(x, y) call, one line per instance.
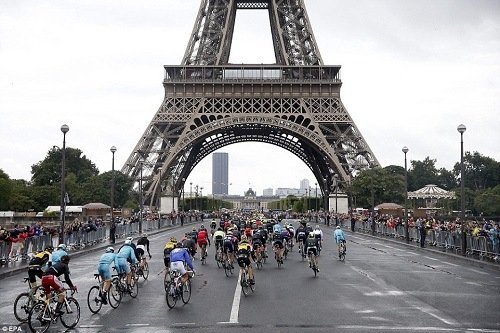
point(398, 328)
point(474, 283)
point(431, 258)
point(430, 312)
point(137, 325)
point(233, 319)
point(90, 326)
point(385, 293)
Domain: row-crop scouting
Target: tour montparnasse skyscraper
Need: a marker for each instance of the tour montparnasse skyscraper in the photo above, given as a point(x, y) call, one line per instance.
point(220, 173)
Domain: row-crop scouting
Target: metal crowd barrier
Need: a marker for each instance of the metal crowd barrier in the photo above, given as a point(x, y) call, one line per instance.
point(477, 246)
point(4, 251)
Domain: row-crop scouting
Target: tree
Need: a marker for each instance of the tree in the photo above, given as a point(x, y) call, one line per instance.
point(422, 173)
point(5, 190)
point(480, 172)
point(377, 185)
point(488, 202)
point(48, 171)
point(446, 179)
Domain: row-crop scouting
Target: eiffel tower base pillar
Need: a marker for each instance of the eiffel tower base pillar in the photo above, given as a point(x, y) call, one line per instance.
point(338, 203)
point(168, 204)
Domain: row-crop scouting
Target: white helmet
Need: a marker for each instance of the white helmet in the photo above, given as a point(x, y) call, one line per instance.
point(338, 227)
point(110, 250)
point(128, 242)
point(130, 238)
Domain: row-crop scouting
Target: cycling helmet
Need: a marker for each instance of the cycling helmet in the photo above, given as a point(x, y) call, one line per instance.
point(110, 250)
point(338, 227)
point(62, 247)
point(179, 244)
point(65, 259)
point(317, 226)
point(244, 238)
point(194, 229)
point(128, 242)
point(202, 227)
point(145, 235)
point(173, 239)
point(229, 232)
point(130, 239)
point(311, 235)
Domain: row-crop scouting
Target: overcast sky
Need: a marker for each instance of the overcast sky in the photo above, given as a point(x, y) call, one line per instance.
point(412, 72)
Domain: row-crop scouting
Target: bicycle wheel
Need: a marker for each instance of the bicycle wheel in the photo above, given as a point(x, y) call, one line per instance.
point(145, 271)
point(227, 268)
point(94, 299)
point(245, 285)
point(171, 294)
point(71, 313)
point(114, 295)
point(259, 264)
point(186, 291)
point(166, 280)
point(134, 288)
point(39, 319)
point(22, 306)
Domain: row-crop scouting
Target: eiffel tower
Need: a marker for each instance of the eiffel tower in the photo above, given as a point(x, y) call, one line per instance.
point(294, 104)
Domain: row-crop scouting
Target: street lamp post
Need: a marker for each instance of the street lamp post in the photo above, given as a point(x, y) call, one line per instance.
point(461, 129)
point(407, 232)
point(183, 202)
point(316, 197)
point(190, 196)
point(64, 130)
point(112, 228)
point(336, 179)
point(141, 203)
point(201, 198)
point(173, 192)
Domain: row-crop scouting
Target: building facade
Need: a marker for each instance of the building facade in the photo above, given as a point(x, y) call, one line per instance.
point(220, 173)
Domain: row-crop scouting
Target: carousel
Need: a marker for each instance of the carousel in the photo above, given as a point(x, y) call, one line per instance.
point(431, 194)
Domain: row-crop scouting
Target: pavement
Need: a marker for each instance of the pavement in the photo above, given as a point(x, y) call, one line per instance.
point(435, 250)
point(12, 268)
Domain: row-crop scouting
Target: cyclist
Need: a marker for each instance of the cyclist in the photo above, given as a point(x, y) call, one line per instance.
point(59, 253)
point(258, 241)
point(312, 246)
point(229, 245)
point(291, 231)
point(36, 265)
point(219, 238)
point(50, 280)
point(339, 237)
point(213, 226)
point(194, 235)
point(178, 257)
point(318, 234)
point(189, 243)
point(203, 239)
point(285, 235)
point(300, 235)
point(277, 229)
point(278, 246)
point(126, 253)
point(103, 268)
point(243, 256)
point(142, 246)
point(169, 246)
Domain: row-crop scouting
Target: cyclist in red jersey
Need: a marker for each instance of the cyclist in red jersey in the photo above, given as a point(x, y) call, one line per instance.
point(203, 239)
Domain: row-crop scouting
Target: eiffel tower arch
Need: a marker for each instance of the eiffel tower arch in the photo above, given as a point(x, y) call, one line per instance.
point(294, 104)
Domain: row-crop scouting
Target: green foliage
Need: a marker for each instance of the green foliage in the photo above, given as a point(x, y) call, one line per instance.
point(422, 173)
point(48, 171)
point(480, 172)
point(488, 202)
point(375, 186)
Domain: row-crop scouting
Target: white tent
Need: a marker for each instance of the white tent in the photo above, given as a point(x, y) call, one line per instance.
point(431, 193)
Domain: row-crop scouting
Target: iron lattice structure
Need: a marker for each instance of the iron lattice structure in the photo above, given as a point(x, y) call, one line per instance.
point(210, 104)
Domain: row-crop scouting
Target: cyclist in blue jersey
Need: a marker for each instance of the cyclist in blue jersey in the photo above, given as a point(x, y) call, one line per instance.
point(339, 237)
point(103, 268)
point(126, 253)
point(277, 228)
point(59, 253)
point(178, 257)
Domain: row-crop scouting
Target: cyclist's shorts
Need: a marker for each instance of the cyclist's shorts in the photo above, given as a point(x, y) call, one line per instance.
point(218, 243)
point(317, 236)
point(104, 271)
point(278, 243)
point(123, 266)
point(178, 266)
point(202, 242)
point(228, 247)
point(139, 253)
point(312, 250)
point(166, 261)
point(51, 281)
point(243, 261)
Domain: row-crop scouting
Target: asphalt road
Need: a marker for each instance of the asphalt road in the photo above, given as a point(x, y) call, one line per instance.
point(381, 287)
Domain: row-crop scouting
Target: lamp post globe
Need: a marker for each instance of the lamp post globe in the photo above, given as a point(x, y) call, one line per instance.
point(461, 129)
